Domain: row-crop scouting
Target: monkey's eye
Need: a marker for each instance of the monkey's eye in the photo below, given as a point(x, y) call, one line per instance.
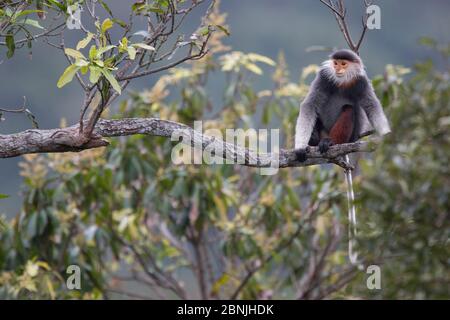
point(335, 63)
point(344, 64)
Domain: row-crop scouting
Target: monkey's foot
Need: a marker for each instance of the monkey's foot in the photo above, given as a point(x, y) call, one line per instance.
point(301, 154)
point(325, 144)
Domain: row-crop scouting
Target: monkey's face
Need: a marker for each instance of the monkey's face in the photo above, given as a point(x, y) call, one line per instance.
point(341, 67)
point(341, 71)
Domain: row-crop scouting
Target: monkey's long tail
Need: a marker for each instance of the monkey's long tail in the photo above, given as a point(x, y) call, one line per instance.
point(352, 254)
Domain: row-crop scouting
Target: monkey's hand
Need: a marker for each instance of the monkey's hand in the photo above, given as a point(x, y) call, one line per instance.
point(301, 154)
point(325, 144)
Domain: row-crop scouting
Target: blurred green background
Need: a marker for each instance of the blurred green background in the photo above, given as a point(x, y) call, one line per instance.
point(262, 26)
point(132, 220)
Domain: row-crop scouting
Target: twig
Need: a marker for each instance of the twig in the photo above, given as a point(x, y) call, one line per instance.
point(339, 12)
point(332, 8)
point(203, 51)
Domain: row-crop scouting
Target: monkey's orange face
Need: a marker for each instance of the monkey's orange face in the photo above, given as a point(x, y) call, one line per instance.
point(341, 66)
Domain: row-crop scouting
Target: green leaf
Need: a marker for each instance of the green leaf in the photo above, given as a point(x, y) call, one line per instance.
point(3, 196)
point(131, 52)
point(100, 63)
point(121, 23)
point(222, 281)
point(162, 3)
point(103, 50)
point(31, 22)
point(144, 46)
point(68, 75)
point(106, 25)
point(10, 44)
point(84, 69)
point(105, 6)
point(204, 31)
point(83, 43)
point(74, 53)
point(95, 74)
point(138, 7)
point(59, 5)
point(110, 62)
point(93, 52)
point(221, 206)
point(155, 9)
point(427, 41)
point(123, 45)
point(260, 58)
point(8, 12)
point(112, 80)
point(81, 63)
point(26, 12)
point(253, 68)
point(223, 29)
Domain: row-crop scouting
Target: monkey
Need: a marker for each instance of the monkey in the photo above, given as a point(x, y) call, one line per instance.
point(340, 107)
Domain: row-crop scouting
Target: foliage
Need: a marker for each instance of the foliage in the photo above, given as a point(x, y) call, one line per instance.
point(115, 56)
point(140, 226)
point(406, 186)
point(129, 209)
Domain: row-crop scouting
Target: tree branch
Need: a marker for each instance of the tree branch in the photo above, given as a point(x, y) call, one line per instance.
point(68, 140)
point(339, 12)
point(330, 5)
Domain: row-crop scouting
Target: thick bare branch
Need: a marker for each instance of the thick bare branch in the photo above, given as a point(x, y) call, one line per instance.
point(68, 140)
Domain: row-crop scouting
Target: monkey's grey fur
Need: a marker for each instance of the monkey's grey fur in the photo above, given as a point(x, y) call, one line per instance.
point(325, 100)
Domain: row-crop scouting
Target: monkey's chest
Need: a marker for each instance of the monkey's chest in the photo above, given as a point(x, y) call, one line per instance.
point(330, 112)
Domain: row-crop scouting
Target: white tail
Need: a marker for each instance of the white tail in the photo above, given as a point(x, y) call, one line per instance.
point(352, 254)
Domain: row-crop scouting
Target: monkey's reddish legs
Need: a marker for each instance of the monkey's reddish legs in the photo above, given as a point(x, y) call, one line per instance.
point(343, 128)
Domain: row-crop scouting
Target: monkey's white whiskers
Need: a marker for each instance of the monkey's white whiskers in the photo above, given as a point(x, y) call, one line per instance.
point(352, 72)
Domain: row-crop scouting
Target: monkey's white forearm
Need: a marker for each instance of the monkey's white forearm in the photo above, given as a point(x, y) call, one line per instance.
point(305, 125)
point(375, 113)
point(381, 124)
point(307, 117)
